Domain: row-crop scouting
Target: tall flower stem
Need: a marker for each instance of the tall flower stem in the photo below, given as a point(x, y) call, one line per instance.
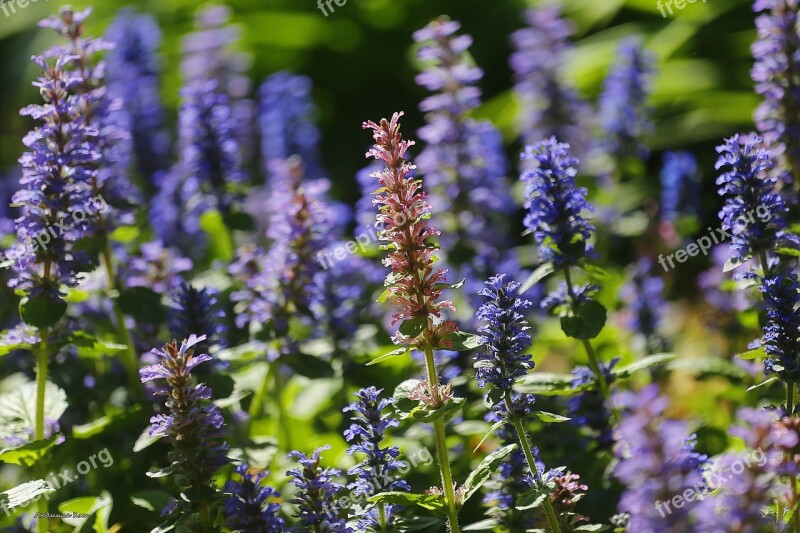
point(382, 516)
point(594, 361)
point(526, 449)
point(41, 387)
point(272, 384)
point(795, 524)
point(792, 480)
point(130, 359)
point(441, 446)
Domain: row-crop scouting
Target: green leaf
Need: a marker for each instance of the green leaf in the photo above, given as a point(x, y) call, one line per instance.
point(432, 502)
point(394, 353)
point(404, 389)
point(8, 348)
point(549, 418)
point(586, 322)
point(534, 497)
point(764, 383)
point(22, 495)
point(89, 347)
point(41, 311)
point(462, 341)
point(143, 304)
point(27, 454)
point(152, 500)
point(484, 470)
point(595, 528)
point(484, 525)
point(239, 221)
point(161, 472)
point(418, 523)
point(309, 366)
point(124, 234)
point(546, 384)
point(595, 272)
point(18, 409)
point(444, 286)
point(384, 295)
point(643, 363)
point(734, 262)
point(104, 423)
point(76, 296)
point(750, 355)
point(793, 252)
point(497, 425)
point(541, 272)
point(423, 413)
point(198, 494)
point(413, 326)
point(707, 367)
point(97, 506)
point(219, 236)
point(144, 440)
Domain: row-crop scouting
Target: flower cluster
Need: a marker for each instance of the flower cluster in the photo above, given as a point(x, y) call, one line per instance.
point(209, 53)
point(191, 424)
point(299, 229)
point(588, 409)
point(643, 297)
point(285, 113)
point(505, 335)
point(623, 113)
point(250, 506)
point(210, 155)
point(102, 111)
point(512, 479)
point(134, 69)
point(197, 311)
point(56, 173)
point(781, 339)
point(753, 210)
point(775, 72)
point(316, 493)
point(680, 186)
point(551, 107)
point(378, 471)
point(555, 205)
point(464, 162)
point(415, 281)
point(656, 462)
point(752, 479)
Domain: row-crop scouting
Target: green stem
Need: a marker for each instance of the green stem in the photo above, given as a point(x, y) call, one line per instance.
point(762, 255)
point(260, 396)
point(795, 522)
point(41, 387)
point(382, 516)
point(441, 446)
point(280, 415)
point(130, 359)
point(591, 354)
point(526, 448)
point(205, 518)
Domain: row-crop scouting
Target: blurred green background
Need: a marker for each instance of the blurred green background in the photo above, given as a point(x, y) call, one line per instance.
point(361, 61)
